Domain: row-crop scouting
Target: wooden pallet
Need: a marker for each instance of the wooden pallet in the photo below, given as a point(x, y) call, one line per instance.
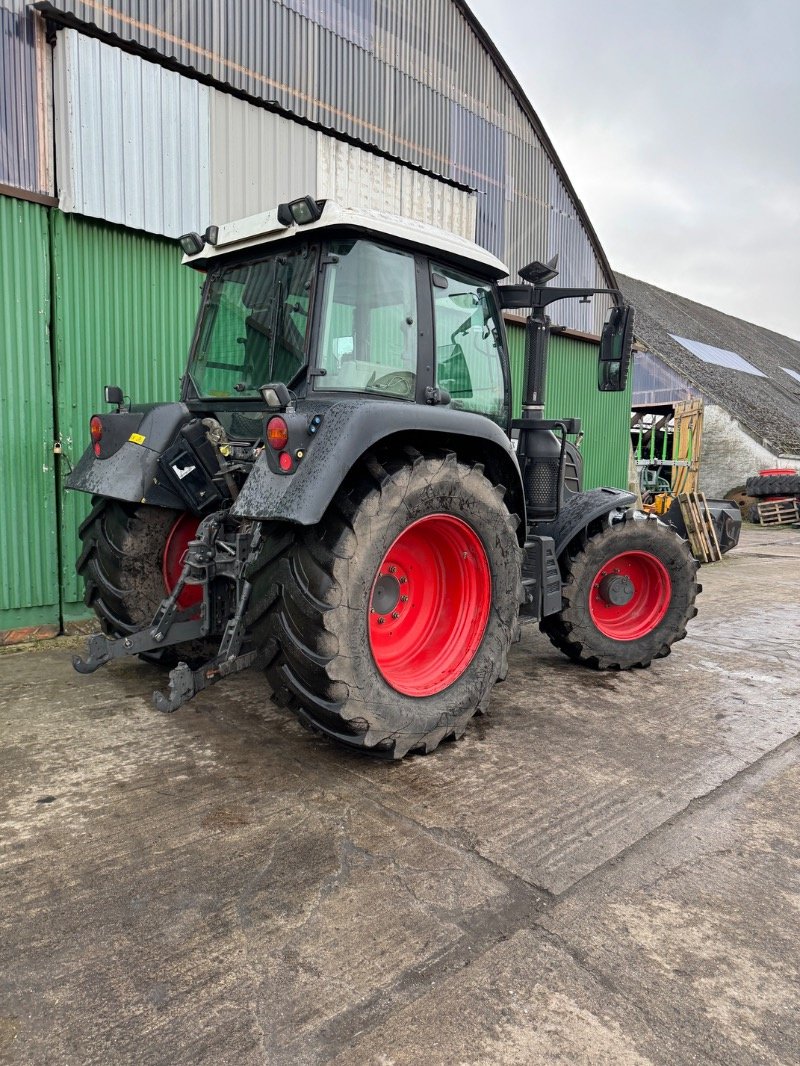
point(778, 512)
point(699, 527)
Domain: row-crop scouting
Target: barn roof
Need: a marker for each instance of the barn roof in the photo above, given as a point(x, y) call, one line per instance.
point(751, 372)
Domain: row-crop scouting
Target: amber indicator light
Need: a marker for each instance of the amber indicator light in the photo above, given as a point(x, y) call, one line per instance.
point(277, 433)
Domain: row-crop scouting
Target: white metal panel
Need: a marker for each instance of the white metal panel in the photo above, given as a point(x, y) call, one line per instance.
point(132, 139)
point(356, 178)
point(258, 159)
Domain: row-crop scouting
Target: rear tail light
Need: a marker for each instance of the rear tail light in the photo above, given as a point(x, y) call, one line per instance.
point(277, 433)
point(96, 433)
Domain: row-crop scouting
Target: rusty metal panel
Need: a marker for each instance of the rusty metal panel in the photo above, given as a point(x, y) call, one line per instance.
point(133, 139)
point(28, 560)
point(25, 141)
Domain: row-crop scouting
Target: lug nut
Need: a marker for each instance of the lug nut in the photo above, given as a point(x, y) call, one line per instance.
point(395, 614)
point(392, 569)
point(381, 620)
point(404, 599)
point(402, 580)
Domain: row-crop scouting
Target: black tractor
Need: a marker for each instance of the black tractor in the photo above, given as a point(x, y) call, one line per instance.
point(342, 497)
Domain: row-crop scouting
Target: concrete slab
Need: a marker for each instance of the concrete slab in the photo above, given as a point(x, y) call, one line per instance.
point(581, 879)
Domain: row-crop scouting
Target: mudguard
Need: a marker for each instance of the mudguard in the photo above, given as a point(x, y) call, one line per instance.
point(131, 473)
point(347, 429)
point(579, 511)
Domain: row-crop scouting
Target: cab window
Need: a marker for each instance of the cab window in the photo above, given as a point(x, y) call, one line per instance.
point(468, 344)
point(369, 321)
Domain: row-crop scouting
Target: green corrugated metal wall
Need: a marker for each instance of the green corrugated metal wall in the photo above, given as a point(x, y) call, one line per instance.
point(28, 557)
point(572, 393)
point(124, 312)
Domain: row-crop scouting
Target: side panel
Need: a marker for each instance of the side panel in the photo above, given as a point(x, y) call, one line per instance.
point(28, 559)
point(124, 314)
point(572, 393)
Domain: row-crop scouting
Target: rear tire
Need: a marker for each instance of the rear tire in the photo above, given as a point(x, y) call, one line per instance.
point(122, 565)
point(318, 594)
point(641, 562)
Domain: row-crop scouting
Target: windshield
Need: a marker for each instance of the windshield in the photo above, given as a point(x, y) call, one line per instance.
point(254, 325)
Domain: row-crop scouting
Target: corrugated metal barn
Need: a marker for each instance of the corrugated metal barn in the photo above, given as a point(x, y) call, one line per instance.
point(123, 125)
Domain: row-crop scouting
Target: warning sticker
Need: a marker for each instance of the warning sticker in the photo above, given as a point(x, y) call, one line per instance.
point(136, 438)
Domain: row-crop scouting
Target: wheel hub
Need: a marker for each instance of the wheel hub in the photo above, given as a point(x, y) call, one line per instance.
point(386, 595)
point(616, 589)
point(630, 595)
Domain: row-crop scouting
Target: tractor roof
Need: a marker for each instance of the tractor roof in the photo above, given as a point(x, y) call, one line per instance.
point(266, 228)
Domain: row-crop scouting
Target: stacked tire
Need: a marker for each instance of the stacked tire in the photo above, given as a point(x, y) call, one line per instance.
point(772, 485)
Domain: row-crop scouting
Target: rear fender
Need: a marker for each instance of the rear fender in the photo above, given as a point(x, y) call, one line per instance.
point(132, 472)
point(346, 431)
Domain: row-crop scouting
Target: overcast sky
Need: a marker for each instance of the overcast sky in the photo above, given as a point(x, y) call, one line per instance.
point(678, 122)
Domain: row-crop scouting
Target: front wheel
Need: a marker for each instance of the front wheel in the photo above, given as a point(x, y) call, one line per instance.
point(387, 625)
point(628, 594)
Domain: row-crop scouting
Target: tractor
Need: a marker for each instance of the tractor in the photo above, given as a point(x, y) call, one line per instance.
point(342, 497)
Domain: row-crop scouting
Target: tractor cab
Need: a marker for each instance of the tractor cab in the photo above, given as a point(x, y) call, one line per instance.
point(350, 302)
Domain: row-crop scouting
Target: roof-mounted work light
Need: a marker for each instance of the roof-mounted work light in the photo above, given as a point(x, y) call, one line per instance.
point(192, 243)
point(300, 212)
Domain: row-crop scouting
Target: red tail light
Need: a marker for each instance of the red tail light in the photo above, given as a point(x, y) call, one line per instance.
point(277, 433)
point(96, 433)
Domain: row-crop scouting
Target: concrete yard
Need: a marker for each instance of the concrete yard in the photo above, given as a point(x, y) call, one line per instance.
point(605, 869)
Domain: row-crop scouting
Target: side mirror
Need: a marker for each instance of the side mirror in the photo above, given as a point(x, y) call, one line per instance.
point(113, 394)
point(615, 350)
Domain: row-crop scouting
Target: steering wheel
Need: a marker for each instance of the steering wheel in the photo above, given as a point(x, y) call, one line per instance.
point(398, 382)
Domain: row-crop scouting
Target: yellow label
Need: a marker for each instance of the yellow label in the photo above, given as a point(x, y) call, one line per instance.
point(136, 438)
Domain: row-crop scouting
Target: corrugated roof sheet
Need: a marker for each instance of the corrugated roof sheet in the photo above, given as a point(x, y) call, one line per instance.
point(768, 406)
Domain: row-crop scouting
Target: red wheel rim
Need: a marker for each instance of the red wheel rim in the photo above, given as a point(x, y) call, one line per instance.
point(630, 595)
point(429, 605)
point(184, 530)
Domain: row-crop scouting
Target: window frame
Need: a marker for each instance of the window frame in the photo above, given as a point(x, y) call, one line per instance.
point(502, 349)
point(424, 320)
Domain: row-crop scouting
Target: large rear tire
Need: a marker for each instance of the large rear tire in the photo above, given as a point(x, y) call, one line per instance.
point(628, 594)
point(387, 625)
point(130, 560)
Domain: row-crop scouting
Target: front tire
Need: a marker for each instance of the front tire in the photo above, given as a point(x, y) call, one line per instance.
point(387, 625)
point(628, 594)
